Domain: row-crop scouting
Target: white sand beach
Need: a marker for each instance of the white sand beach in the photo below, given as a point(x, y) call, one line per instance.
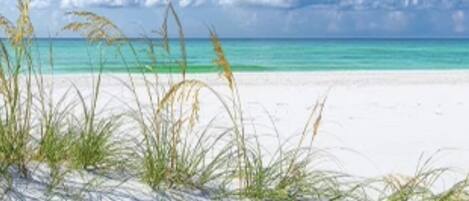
point(375, 123)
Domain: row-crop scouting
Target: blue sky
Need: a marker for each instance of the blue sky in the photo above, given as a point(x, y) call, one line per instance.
point(267, 18)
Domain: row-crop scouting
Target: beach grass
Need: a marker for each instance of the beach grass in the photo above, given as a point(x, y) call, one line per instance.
point(171, 150)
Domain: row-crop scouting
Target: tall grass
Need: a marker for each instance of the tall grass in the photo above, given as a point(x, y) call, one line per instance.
point(33, 125)
point(15, 120)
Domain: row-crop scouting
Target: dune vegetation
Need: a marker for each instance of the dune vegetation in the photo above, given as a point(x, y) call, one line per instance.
point(70, 148)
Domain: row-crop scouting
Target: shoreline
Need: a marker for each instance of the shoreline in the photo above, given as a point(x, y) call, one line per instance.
point(336, 78)
point(278, 72)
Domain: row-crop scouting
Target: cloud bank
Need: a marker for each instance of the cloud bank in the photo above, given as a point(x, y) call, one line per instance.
point(287, 4)
point(248, 18)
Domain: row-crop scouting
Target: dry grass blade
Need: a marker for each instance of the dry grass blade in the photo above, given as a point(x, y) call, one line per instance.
point(182, 41)
point(95, 27)
point(24, 27)
point(165, 38)
point(4, 64)
point(7, 26)
point(314, 122)
point(317, 122)
point(184, 90)
point(316, 111)
point(221, 60)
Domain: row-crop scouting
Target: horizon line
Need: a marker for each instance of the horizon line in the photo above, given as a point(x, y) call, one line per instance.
point(260, 38)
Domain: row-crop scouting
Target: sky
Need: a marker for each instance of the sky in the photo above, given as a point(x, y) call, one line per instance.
point(264, 18)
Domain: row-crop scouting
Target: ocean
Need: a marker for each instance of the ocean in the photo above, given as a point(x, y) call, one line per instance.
point(259, 55)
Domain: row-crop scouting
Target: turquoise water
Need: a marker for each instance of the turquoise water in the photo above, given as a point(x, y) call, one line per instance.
point(75, 55)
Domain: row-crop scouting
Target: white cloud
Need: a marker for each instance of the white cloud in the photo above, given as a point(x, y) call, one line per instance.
point(185, 3)
point(149, 3)
point(270, 3)
point(335, 18)
point(397, 20)
point(40, 4)
point(458, 21)
point(107, 3)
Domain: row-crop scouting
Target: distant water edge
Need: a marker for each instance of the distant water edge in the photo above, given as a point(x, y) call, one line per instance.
point(259, 55)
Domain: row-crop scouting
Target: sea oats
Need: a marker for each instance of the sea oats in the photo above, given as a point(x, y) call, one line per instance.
point(7, 26)
point(183, 90)
point(95, 28)
point(24, 27)
point(182, 41)
point(221, 61)
point(23, 30)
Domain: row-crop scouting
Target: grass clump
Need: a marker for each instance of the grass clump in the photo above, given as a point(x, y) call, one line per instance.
point(16, 100)
point(190, 164)
point(290, 173)
point(54, 147)
point(174, 154)
point(54, 142)
point(94, 146)
point(419, 187)
point(272, 180)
